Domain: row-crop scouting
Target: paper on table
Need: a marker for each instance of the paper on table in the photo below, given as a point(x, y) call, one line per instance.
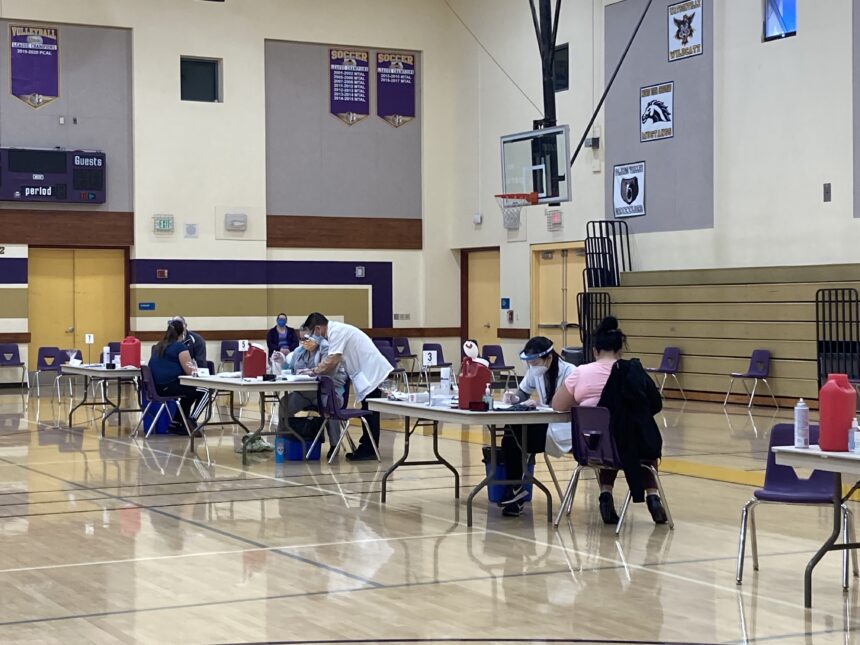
point(228, 374)
point(300, 377)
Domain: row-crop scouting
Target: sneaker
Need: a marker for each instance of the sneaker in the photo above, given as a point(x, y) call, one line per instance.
point(607, 508)
point(655, 507)
point(514, 494)
point(513, 510)
point(360, 455)
point(258, 444)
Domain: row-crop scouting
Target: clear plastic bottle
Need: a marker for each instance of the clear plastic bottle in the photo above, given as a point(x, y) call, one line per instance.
point(801, 425)
point(488, 397)
point(852, 436)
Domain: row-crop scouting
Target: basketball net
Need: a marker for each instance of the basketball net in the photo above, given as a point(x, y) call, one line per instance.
point(511, 204)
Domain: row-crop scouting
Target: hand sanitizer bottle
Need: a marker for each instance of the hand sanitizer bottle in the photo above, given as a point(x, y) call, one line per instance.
point(488, 398)
point(801, 425)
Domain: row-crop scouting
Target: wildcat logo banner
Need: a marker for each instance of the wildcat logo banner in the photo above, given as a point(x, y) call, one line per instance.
point(657, 110)
point(685, 29)
point(628, 190)
point(35, 64)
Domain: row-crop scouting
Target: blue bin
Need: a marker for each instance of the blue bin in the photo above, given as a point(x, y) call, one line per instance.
point(289, 448)
point(163, 420)
point(497, 491)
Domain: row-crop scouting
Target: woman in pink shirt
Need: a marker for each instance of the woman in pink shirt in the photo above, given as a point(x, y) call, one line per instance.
point(585, 387)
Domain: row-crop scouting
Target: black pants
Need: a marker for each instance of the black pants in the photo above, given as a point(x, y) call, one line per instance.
point(190, 395)
point(372, 422)
point(512, 452)
point(607, 477)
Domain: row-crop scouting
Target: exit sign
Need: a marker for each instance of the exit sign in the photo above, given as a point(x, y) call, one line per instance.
point(162, 223)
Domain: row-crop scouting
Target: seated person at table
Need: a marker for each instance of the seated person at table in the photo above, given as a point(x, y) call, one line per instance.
point(546, 373)
point(281, 338)
point(170, 360)
point(309, 354)
point(626, 390)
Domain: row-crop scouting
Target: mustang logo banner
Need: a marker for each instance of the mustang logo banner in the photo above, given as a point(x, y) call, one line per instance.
point(35, 58)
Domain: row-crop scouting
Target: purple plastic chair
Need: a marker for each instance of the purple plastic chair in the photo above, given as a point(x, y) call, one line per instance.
point(398, 372)
point(230, 354)
point(496, 358)
point(329, 410)
point(758, 370)
point(381, 342)
point(10, 356)
point(594, 447)
point(669, 366)
point(783, 486)
point(403, 352)
point(48, 359)
point(154, 398)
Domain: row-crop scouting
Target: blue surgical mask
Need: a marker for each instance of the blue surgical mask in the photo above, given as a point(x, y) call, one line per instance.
point(317, 339)
point(281, 322)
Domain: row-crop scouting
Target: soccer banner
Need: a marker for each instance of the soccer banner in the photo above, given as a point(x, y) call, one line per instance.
point(395, 87)
point(349, 73)
point(35, 64)
point(628, 190)
point(685, 29)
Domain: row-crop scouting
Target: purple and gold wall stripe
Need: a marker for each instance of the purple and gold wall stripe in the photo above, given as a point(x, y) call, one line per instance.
point(272, 274)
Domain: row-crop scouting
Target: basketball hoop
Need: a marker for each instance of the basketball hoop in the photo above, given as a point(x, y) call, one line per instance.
point(511, 204)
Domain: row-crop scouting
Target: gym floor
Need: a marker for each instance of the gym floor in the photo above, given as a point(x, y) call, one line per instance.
point(114, 540)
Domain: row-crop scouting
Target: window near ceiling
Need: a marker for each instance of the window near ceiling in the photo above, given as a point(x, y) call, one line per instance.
point(200, 79)
point(561, 68)
point(780, 19)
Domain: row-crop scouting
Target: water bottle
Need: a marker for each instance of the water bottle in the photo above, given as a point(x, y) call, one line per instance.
point(105, 355)
point(488, 398)
point(445, 381)
point(801, 425)
point(852, 436)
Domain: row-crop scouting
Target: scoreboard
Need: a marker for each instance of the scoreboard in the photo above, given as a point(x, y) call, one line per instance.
point(46, 175)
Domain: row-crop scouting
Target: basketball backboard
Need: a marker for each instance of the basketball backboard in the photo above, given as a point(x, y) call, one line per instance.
point(538, 161)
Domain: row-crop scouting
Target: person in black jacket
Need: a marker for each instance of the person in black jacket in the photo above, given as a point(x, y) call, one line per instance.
point(632, 400)
point(281, 337)
point(626, 390)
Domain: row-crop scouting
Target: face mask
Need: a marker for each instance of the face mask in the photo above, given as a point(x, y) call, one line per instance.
point(317, 339)
point(281, 322)
point(538, 370)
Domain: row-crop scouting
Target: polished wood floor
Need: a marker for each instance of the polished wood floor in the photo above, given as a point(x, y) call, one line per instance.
point(114, 540)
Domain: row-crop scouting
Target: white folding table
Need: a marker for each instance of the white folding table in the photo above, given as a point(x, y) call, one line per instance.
point(98, 371)
point(837, 463)
point(495, 422)
point(240, 385)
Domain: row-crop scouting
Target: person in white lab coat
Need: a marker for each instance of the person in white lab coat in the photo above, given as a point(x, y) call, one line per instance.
point(365, 365)
point(546, 373)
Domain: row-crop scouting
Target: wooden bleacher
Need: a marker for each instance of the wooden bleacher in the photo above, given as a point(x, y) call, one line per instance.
point(718, 316)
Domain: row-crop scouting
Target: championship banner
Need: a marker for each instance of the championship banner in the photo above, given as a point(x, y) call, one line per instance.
point(628, 190)
point(685, 29)
point(349, 72)
point(35, 64)
point(657, 108)
point(395, 87)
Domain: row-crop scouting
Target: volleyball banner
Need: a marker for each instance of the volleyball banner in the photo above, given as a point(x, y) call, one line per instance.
point(349, 78)
point(395, 87)
point(35, 64)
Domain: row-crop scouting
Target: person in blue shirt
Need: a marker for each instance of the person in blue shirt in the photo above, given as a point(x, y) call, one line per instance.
point(281, 337)
point(170, 360)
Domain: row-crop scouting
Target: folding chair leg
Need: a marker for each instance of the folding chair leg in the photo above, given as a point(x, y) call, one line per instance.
point(753, 538)
point(764, 380)
point(742, 540)
point(680, 389)
point(845, 552)
point(142, 416)
point(152, 425)
point(316, 439)
point(752, 394)
point(38, 384)
point(343, 435)
point(552, 474)
point(852, 536)
point(731, 384)
point(370, 436)
point(662, 383)
point(623, 512)
point(662, 496)
point(567, 498)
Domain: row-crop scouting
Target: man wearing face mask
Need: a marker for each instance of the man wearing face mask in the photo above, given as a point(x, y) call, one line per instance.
point(310, 353)
point(546, 373)
point(366, 367)
point(194, 342)
point(281, 337)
